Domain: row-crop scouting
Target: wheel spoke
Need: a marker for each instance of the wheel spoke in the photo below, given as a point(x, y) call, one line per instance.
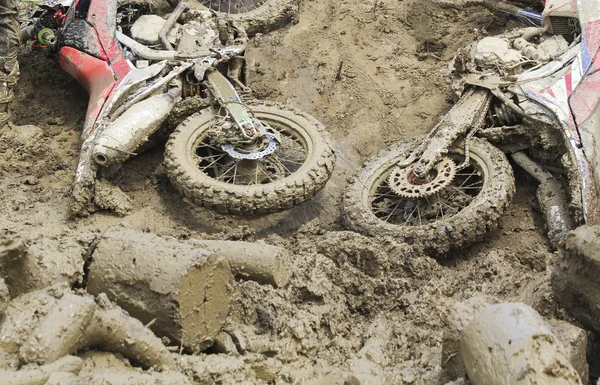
point(461, 193)
point(210, 147)
point(256, 175)
point(449, 201)
point(293, 152)
point(382, 210)
point(456, 211)
point(462, 184)
point(393, 210)
point(276, 159)
point(216, 159)
point(292, 161)
point(473, 186)
point(387, 194)
point(410, 215)
point(226, 172)
point(289, 155)
point(267, 175)
point(467, 179)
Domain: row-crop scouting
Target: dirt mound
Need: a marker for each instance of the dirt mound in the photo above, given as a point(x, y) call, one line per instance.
point(373, 72)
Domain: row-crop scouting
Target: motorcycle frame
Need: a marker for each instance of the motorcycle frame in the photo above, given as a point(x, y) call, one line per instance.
point(577, 101)
point(97, 62)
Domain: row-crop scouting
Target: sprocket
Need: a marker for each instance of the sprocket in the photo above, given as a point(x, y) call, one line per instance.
point(404, 183)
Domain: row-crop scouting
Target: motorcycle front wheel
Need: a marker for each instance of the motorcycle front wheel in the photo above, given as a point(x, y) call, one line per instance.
point(468, 207)
point(209, 175)
point(256, 15)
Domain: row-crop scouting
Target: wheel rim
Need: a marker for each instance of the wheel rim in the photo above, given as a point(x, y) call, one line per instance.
point(397, 210)
point(289, 157)
point(233, 6)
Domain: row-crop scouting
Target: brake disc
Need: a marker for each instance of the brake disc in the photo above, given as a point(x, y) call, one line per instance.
point(404, 183)
point(271, 147)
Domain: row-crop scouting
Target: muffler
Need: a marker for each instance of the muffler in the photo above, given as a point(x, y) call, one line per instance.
point(119, 141)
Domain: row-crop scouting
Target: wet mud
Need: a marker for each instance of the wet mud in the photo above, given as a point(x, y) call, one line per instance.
point(355, 308)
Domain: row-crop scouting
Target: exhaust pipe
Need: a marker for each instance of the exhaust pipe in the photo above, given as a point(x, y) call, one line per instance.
point(119, 141)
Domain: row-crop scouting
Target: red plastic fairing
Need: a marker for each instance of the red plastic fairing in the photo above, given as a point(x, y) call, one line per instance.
point(94, 75)
point(100, 17)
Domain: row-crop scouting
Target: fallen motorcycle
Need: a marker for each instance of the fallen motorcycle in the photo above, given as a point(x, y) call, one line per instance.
point(233, 155)
point(530, 93)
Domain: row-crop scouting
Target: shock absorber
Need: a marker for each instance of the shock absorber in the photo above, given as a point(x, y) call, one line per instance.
point(191, 85)
point(499, 114)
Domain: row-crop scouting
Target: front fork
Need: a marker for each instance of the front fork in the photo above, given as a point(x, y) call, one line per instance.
point(228, 98)
point(468, 113)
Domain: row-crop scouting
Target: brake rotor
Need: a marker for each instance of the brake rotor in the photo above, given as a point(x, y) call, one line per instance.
point(404, 183)
point(254, 155)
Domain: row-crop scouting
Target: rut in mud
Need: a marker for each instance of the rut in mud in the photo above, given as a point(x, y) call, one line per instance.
point(373, 73)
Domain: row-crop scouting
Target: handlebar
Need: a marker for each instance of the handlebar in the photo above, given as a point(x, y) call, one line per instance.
point(147, 53)
point(523, 15)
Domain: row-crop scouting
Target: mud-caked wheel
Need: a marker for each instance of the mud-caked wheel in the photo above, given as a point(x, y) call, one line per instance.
point(256, 15)
point(217, 176)
point(450, 213)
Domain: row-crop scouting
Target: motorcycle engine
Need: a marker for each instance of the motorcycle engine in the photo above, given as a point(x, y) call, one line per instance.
point(196, 35)
point(146, 30)
point(494, 53)
point(510, 56)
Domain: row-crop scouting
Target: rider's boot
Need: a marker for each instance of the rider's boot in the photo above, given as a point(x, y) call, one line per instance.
point(9, 47)
point(9, 70)
point(9, 74)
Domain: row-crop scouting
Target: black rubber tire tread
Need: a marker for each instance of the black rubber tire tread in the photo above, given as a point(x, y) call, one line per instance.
point(438, 237)
point(227, 198)
point(271, 15)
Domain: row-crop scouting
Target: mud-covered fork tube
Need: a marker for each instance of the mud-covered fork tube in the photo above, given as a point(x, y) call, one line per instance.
point(468, 112)
point(228, 98)
point(552, 198)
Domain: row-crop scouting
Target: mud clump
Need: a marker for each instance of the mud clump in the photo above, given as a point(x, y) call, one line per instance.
point(159, 280)
point(34, 262)
point(109, 197)
point(510, 343)
point(374, 74)
point(575, 276)
point(562, 340)
point(359, 251)
point(254, 261)
point(43, 326)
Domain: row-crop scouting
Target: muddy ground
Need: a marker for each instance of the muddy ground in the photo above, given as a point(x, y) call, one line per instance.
point(373, 73)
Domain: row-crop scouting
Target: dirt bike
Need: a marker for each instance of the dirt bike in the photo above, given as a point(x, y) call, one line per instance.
point(233, 155)
point(529, 93)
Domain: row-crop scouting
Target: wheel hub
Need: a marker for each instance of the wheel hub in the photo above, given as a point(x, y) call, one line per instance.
point(405, 183)
point(253, 154)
